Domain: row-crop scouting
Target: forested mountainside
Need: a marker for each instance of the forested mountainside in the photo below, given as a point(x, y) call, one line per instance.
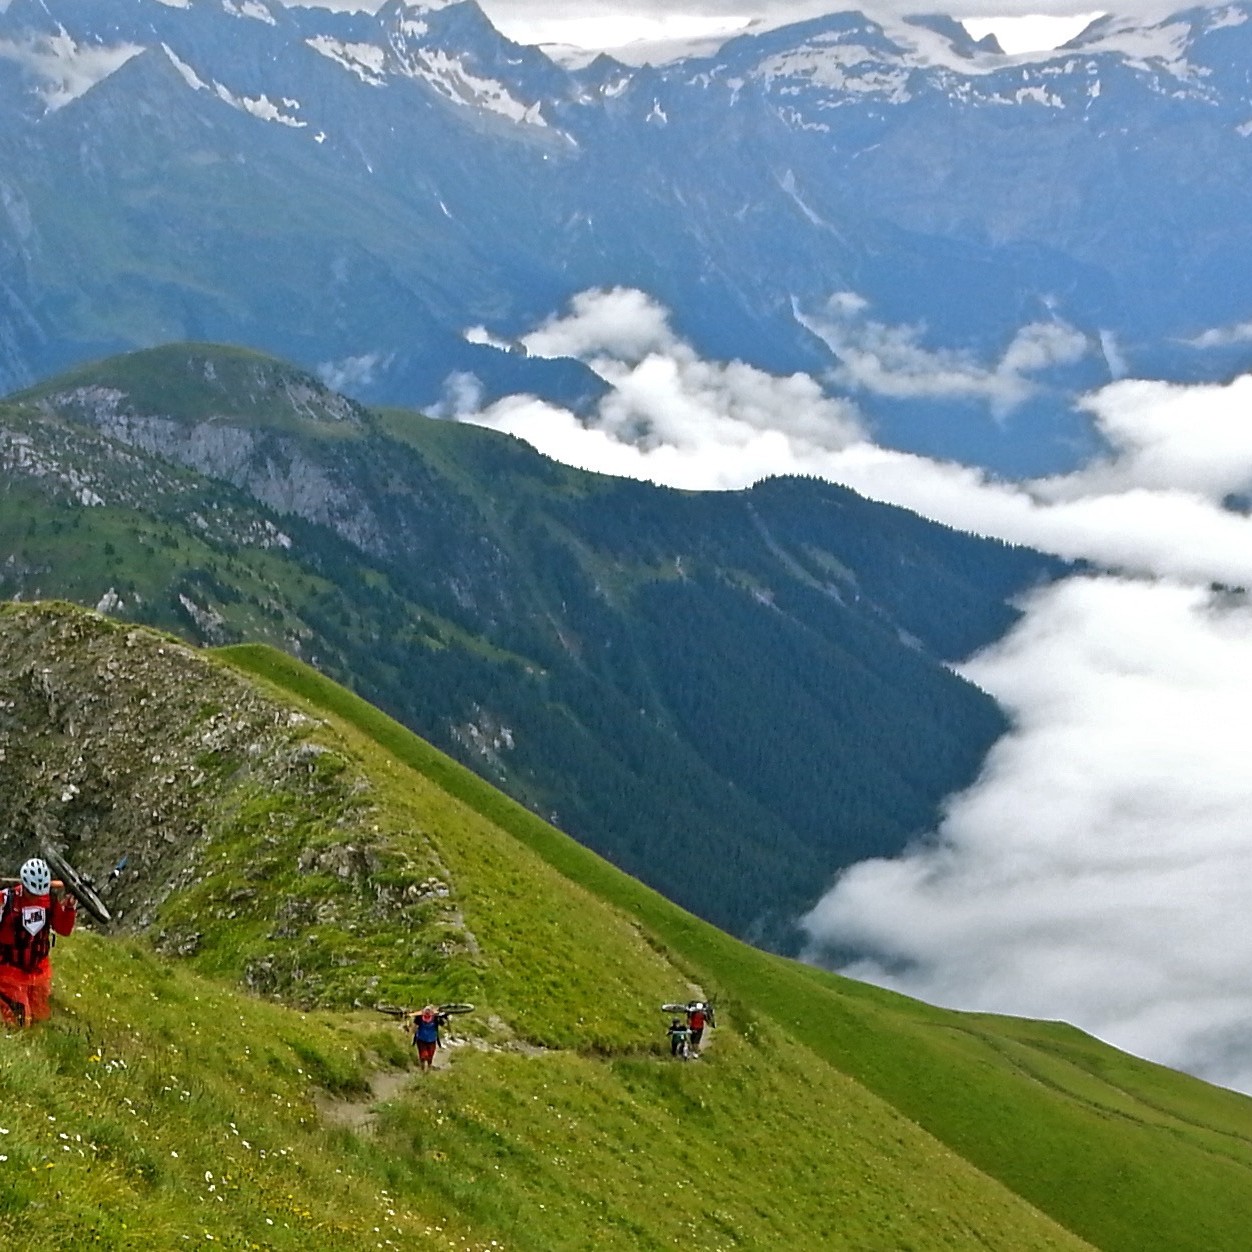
point(214, 1069)
point(730, 695)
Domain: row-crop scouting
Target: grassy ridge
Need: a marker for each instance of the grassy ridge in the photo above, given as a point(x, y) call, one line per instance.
point(162, 1105)
point(199, 382)
point(1129, 1155)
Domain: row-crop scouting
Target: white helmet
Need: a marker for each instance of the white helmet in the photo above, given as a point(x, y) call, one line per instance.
point(36, 876)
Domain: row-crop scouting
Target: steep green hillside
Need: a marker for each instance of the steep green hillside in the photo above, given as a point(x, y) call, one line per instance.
point(285, 834)
point(731, 695)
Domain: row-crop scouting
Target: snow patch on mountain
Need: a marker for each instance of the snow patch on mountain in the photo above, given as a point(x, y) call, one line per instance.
point(788, 184)
point(249, 8)
point(367, 61)
point(261, 107)
point(1160, 48)
point(449, 76)
point(67, 68)
point(190, 77)
point(1033, 95)
point(844, 67)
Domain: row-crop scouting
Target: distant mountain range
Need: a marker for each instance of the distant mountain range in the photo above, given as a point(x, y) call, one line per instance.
point(352, 191)
point(729, 694)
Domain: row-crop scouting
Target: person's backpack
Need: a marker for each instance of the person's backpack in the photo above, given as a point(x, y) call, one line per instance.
point(32, 932)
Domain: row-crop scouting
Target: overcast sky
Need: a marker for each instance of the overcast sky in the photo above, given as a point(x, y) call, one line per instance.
point(1100, 870)
point(613, 23)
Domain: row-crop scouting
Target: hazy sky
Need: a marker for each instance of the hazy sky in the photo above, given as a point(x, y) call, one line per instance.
point(612, 23)
point(1100, 870)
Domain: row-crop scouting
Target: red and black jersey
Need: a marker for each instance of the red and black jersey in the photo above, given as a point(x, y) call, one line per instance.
point(27, 925)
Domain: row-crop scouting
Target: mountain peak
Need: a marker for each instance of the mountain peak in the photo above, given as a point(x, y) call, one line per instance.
point(192, 383)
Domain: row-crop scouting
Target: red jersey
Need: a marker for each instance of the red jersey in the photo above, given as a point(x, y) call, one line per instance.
point(27, 923)
point(695, 1019)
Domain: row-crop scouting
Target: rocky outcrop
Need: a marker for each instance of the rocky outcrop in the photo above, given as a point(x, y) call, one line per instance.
point(226, 806)
point(276, 471)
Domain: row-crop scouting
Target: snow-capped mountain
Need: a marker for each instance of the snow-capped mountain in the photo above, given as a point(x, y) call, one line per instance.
point(848, 195)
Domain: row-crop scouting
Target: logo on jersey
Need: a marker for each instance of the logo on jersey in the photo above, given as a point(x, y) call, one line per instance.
point(33, 918)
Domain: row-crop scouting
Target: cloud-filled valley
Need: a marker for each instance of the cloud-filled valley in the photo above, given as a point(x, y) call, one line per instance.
point(1098, 869)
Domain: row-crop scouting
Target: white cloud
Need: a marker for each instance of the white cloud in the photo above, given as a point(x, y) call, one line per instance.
point(614, 24)
point(353, 372)
point(620, 323)
point(1223, 336)
point(670, 415)
point(462, 397)
point(66, 68)
point(1030, 31)
point(1099, 868)
point(891, 361)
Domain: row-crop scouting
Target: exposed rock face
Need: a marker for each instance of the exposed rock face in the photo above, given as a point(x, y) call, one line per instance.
point(276, 471)
point(114, 744)
point(119, 742)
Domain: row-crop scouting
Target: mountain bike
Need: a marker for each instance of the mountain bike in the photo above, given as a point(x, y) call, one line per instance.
point(443, 1010)
point(79, 885)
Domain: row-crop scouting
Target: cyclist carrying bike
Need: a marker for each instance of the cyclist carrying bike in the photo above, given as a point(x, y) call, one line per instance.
point(679, 1037)
point(699, 1015)
point(31, 916)
point(426, 1038)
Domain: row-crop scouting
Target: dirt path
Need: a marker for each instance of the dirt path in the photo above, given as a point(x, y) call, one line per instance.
point(359, 1114)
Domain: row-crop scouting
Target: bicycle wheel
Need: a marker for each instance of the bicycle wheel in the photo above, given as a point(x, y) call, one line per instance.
point(77, 885)
point(673, 1008)
point(456, 1008)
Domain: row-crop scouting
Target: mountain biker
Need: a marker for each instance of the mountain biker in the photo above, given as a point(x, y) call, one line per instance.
point(679, 1036)
point(30, 919)
point(426, 1035)
point(699, 1015)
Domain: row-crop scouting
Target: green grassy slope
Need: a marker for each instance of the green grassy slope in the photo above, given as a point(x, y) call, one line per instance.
point(162, 1104)
point(159, 1108)
point(1127, 1154)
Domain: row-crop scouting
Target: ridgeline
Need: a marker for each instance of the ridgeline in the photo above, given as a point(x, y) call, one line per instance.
point(730, 695)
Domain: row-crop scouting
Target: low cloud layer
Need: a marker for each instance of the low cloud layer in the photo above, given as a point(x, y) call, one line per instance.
point(1098, 871)
point(1101, 870)
point(353, 372)
point(671, 416)
point(67, 69)
point(890, 360)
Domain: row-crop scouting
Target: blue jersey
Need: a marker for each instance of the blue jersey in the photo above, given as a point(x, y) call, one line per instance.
point(427, 1031)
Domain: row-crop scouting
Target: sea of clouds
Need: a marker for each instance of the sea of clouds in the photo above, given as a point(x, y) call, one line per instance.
point(1100, 869)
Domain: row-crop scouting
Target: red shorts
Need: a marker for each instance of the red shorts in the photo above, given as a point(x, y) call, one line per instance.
point(425, 1051)
point(23, 996)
